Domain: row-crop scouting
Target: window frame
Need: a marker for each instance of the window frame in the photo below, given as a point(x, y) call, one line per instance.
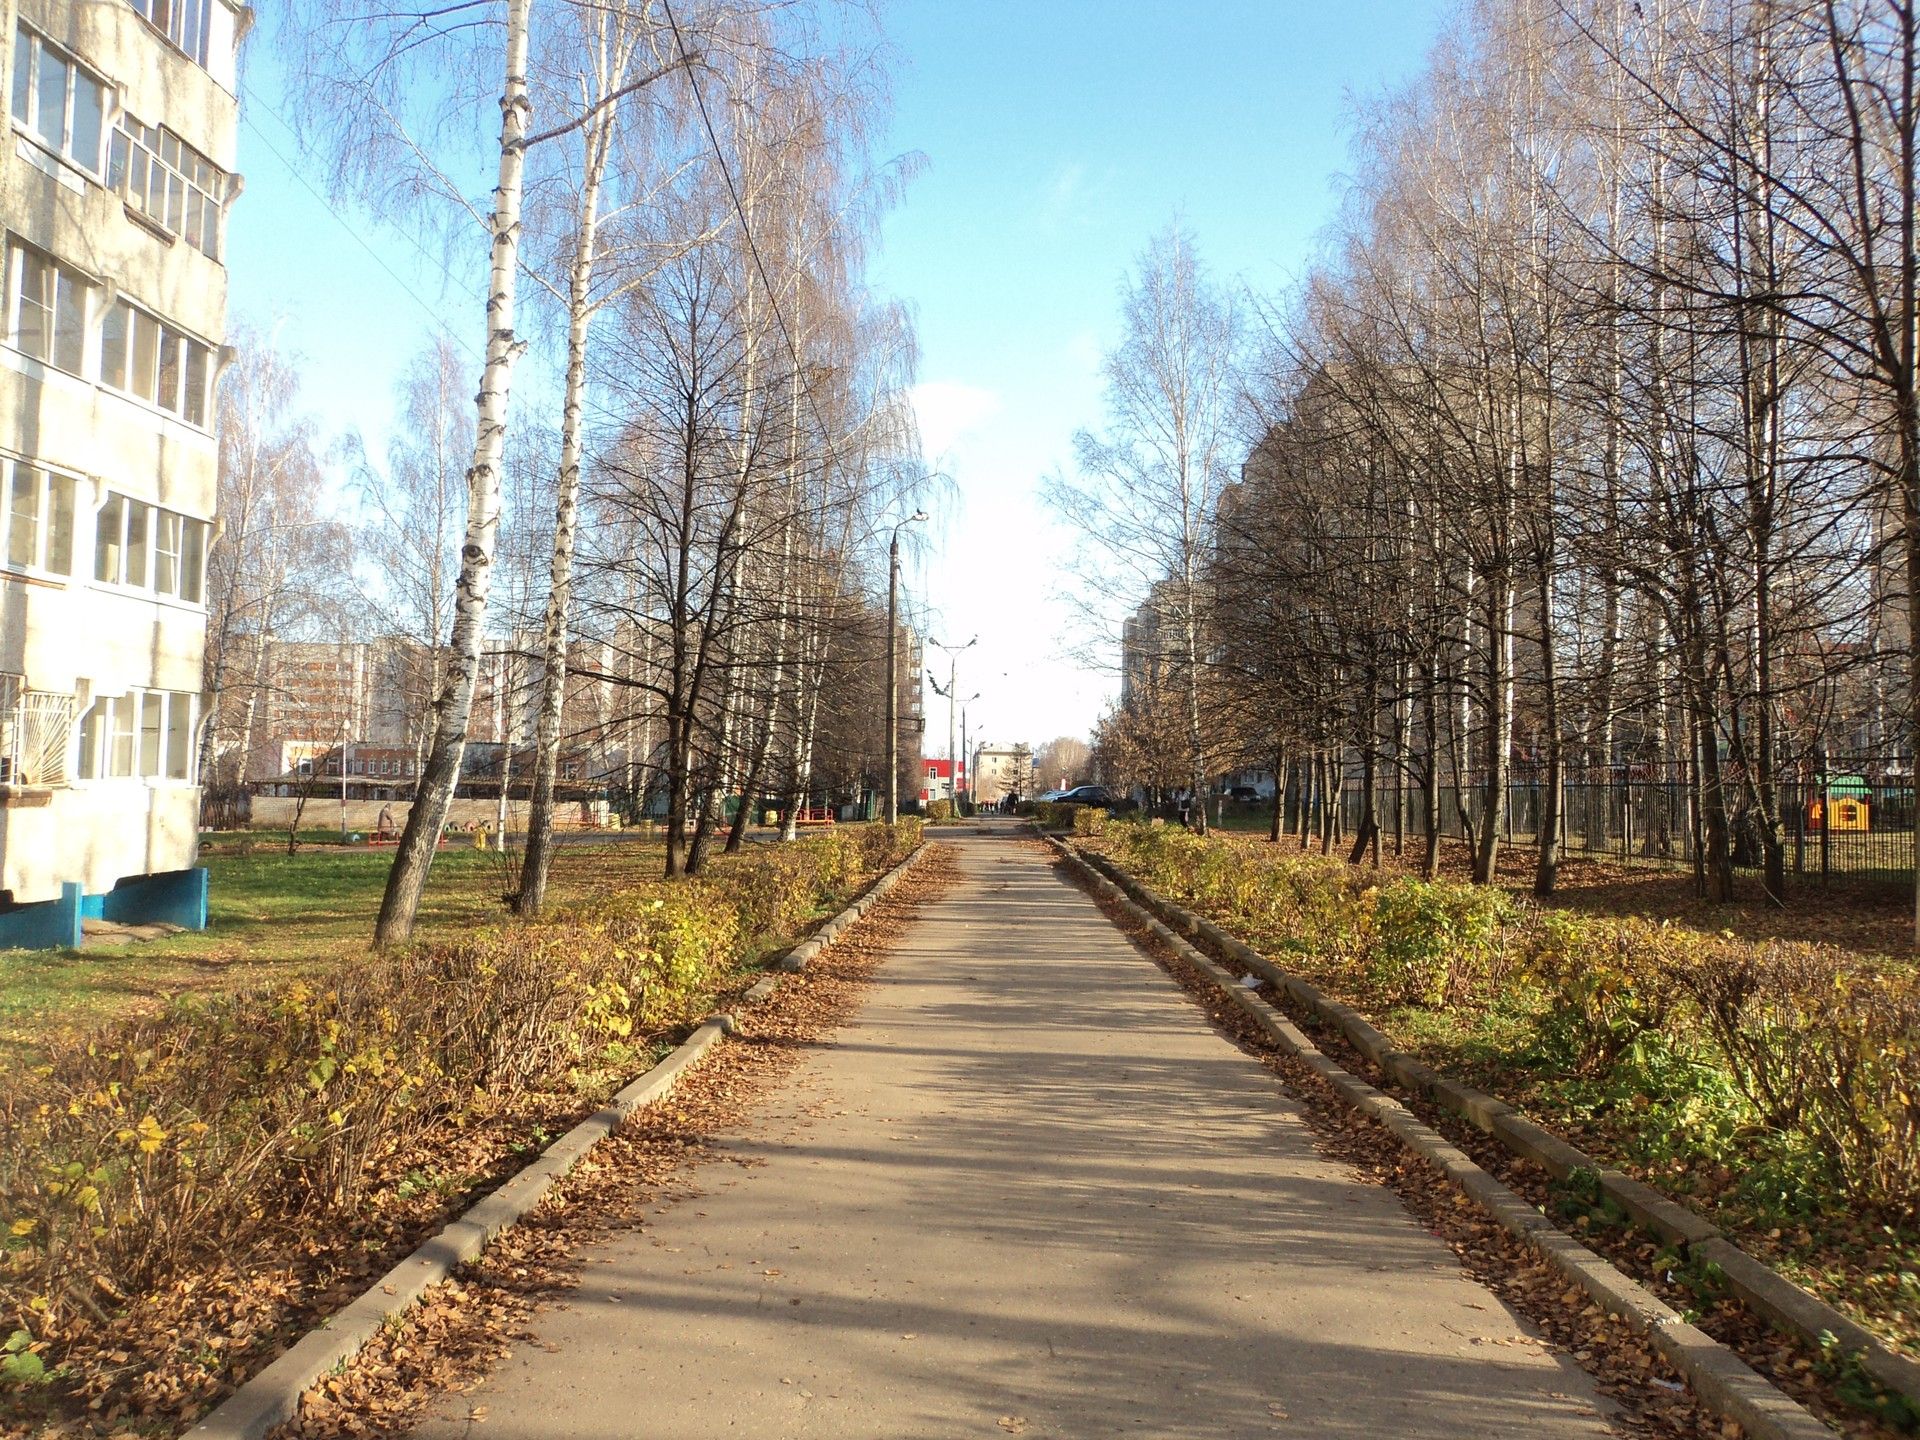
point(143, 327)
point(62, 277)
point(195, 47)
point(189, 558)
point(137, 148)
point(32, 45)
point(117, 742)
point(53, 484)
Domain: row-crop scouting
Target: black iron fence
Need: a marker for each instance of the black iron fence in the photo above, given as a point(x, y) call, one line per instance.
point(1853, 818)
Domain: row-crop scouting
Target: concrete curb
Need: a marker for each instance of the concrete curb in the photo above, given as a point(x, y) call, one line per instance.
point(272, 1397)
point(1783, 1304)
point(797, 958)
point(1718, 1376)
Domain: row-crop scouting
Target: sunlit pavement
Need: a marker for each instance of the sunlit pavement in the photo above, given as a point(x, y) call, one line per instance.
point(1028, 1191)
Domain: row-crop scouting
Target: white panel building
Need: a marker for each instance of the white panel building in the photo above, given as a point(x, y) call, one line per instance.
point(114, 192)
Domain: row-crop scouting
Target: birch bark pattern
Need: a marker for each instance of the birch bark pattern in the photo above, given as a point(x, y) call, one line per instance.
point(566, 512)
point(453, 707)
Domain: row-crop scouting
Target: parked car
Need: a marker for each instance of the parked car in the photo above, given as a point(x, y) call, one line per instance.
point(1243, 794)
point(1087, 795)
point(1050, 794)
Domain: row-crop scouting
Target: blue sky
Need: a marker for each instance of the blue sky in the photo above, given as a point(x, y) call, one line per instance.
point(1058, 135)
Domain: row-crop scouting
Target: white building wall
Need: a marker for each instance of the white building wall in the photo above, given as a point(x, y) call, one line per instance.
point(66, 632)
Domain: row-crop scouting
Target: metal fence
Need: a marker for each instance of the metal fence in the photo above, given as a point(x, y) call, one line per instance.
point(36, 734)
point(1853, 818)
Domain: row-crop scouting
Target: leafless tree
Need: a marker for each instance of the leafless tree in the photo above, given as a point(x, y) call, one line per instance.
point(1147, 488)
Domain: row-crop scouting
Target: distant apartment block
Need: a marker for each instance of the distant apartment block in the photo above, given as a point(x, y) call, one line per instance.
point(114, 196)
point(1002, 770)
point(367, 704)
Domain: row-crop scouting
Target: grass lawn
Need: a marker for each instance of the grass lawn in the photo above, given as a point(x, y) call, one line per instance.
point(274, 916)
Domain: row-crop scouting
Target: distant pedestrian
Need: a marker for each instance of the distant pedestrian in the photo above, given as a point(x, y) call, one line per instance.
point(383, 827)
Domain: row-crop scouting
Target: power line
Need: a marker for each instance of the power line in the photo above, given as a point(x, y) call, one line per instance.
point(333, 213)
point(739, 210)
point(359, 239)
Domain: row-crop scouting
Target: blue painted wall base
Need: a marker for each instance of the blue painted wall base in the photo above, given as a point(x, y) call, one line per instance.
point(178, 897)
point(49, 925)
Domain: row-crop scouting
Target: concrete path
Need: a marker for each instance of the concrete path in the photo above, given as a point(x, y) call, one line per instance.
point(1028, 1192)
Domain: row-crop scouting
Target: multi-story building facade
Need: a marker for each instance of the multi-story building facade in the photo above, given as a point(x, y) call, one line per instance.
point(936, 780)
point(114, 195)
point(1000, 771)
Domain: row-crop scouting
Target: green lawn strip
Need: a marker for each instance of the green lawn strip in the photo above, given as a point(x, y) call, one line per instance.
point(274, 916)
point(1671, 1119)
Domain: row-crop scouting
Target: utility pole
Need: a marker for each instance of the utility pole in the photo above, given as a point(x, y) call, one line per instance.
point(893, 666)
point(966, 750)
point(953, 673)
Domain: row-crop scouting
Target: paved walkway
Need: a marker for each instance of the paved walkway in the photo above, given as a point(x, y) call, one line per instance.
point(1028, 1192)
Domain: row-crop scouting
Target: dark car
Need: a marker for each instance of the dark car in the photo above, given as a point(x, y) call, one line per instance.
point(1088, 795)
point(1243, 794)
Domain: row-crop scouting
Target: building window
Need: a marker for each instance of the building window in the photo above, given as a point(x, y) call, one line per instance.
point(148, 548)
point(152, 361)
point(184, 22)
point(58, 100)
point(169, 182)
point(144, 734)
point(46, 309)
point(36, 508)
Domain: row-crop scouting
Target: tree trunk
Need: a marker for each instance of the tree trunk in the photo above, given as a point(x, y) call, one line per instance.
point(1277, 818)
point(553, 681)
point(1547, 867)
point(1499, 751)
point(407, 880)
point(1430, 775)
point(1367, 832)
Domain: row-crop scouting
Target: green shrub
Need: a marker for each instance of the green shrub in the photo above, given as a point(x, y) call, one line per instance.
point(220, 1127)
point(1821, 1049)
point(1806, 1046)
point(1089, 820)
point(883, 846)
point(1051, 816)
point(940, 810)
point(1434, 937)
point(1608, 985)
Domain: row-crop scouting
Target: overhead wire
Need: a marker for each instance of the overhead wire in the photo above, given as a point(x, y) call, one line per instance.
point(333, 211)
point(740, 212)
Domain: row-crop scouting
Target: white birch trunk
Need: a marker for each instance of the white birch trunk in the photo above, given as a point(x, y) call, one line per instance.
point(566, 512)
point(453, 708)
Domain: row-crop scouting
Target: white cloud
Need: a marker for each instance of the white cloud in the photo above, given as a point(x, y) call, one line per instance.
point(948, 410)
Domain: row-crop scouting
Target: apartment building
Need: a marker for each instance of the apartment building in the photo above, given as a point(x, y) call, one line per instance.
point(114, 196)
point(373, 697)
point(1003, 770)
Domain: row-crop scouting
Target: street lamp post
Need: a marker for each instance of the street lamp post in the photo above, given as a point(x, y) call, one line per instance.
point(893, 666)
point(966, 751)
point(953, 675)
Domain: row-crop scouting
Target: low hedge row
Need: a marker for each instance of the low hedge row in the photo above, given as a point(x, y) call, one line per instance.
point(1805, 1052)
point(220, 1128)
point(1080, 819)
